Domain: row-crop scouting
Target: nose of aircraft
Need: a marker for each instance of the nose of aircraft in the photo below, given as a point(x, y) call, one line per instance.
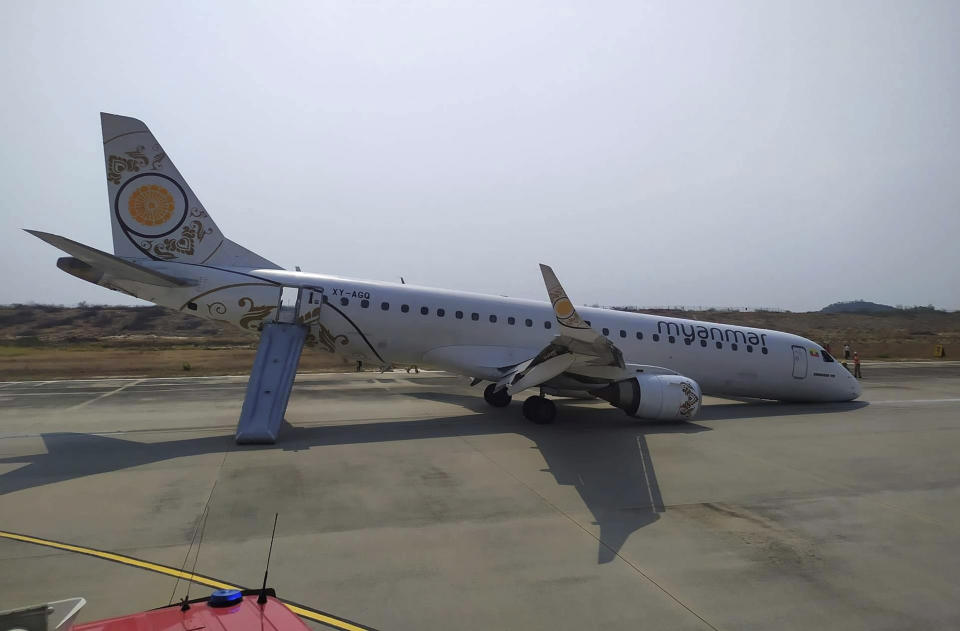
point(851, 386)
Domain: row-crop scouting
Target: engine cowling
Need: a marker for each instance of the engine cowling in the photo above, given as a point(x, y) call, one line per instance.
point(660, 397)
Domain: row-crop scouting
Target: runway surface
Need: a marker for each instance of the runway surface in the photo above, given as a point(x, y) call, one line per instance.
point(407, 503)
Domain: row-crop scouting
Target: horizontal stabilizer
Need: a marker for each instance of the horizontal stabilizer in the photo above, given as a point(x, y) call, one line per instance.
point(107, 263)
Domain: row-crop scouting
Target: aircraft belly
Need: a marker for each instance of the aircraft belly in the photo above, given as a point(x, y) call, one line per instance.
point(484, 361)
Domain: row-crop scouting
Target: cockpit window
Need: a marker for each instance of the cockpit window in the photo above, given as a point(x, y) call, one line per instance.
point(826, 356)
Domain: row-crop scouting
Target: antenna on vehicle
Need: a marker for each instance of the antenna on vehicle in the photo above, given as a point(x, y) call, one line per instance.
point(186, 557)
point(402, 282)
point(262, 598)
point(185, 604)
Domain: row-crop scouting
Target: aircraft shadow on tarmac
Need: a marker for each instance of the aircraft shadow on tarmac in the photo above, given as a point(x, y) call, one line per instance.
point(600, 452)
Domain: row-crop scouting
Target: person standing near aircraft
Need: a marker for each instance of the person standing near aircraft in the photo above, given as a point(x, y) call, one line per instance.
point(856, 366)
point(846, 351)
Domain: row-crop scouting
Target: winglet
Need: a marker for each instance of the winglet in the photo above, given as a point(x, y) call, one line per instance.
point(577, 336)
point(562, 306)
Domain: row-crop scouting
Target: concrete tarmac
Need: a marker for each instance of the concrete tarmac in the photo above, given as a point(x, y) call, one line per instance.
point(407, 503)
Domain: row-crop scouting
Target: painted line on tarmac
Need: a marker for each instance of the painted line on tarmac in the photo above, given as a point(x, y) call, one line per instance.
point(932, 362)
point(105, 395)
point(912, 401)
point(301, 610)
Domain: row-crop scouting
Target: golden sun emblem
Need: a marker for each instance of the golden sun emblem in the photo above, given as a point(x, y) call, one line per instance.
point(151, 205)
point(563, 308)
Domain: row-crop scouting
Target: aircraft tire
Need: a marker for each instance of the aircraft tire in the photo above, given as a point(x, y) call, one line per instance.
point(499, 399)
point(539, 410)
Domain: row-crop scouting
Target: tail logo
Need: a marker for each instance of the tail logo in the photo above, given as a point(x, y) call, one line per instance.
point(151, 205)
point(563, 308)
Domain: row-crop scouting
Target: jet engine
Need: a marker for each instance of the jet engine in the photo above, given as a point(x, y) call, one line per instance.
point(660, 397)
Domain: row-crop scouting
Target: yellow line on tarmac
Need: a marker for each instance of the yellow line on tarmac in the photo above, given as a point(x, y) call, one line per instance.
point(300, 610)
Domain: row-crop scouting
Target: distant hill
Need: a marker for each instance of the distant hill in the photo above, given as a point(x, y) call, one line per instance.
point(116, 325)
point(858, 306)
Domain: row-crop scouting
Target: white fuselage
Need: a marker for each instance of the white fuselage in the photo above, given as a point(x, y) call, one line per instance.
point(479, 335)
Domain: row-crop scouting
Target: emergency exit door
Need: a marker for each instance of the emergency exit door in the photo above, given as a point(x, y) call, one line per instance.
point(288, 308)
point(799, 362)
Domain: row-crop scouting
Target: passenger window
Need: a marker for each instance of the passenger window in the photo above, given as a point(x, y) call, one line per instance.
point(688, 341)
point(493, 318)
point(733, 347)
point(364, 303)
point(656, 337)
point(404, 308)
point(749, 348)
point(474, 316)
point(671, 339)
point(719, 345)
point(424, 310)
point(703, 343)
point(547, 324)
point(511, 320)
point(528, 322)
point(639, 335)
point(441, 313)
point(459, 315)
point(826, 356)
point(606, 331)
point(764, 350)
point(623, 333)
point(385, 306)
point(344, 301)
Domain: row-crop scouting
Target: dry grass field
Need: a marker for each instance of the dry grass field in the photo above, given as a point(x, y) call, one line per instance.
point(78, 362)
point(51, 342)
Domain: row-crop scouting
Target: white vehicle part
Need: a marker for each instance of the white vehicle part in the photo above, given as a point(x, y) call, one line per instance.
point(660, 397)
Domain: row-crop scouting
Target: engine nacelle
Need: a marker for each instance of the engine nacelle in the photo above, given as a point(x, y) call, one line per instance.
point(661, 397)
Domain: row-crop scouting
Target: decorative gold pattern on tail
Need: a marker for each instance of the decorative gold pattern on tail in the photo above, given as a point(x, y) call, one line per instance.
point(184, 245)
point(135, 160)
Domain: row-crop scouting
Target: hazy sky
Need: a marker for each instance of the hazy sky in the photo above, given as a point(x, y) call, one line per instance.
point(701, 153)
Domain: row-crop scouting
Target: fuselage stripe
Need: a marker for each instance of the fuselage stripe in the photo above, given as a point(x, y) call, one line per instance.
point(345, 317)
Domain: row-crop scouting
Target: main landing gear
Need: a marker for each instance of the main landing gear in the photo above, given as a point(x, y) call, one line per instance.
point(537, 408)
point(500, 399)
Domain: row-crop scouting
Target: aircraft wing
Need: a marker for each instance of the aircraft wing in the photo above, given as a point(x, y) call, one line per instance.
point(577, 345)
point(110, 264)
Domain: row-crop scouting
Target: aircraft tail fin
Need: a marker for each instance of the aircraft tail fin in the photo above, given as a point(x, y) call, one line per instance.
point(153, 212)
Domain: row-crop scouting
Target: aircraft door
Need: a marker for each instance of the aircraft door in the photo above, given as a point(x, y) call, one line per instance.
point(288, 307)
point(799, 362)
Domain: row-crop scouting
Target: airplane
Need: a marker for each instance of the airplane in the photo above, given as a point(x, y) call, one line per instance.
point(169, 251)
